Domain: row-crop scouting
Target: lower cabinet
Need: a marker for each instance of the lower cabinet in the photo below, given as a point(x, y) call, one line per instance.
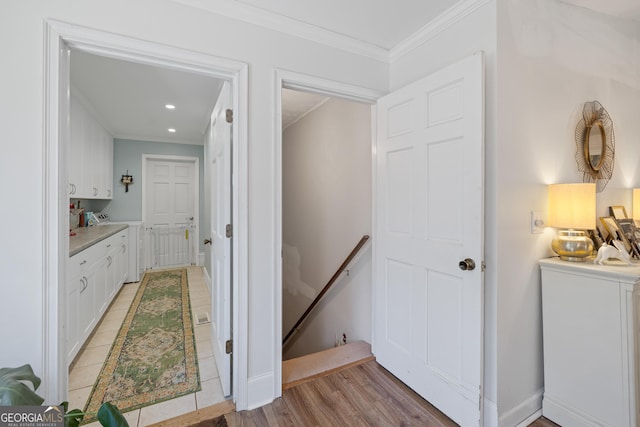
point(95, 277)
point(590, 341)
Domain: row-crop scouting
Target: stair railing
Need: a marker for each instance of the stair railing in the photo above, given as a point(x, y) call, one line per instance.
point(326, 288)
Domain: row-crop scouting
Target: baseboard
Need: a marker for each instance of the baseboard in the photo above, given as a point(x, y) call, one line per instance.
point(260, 390)
point(490, 413)
point(524, 411)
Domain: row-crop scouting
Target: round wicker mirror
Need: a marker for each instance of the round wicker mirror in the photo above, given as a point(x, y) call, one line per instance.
point(595, 145)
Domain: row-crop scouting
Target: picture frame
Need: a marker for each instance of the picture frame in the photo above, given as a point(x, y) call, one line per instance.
point(631, 233)
point(615, 232)
point(618, 212)
point(595, 237)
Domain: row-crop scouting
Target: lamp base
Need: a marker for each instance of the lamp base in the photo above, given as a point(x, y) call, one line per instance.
point(572, 245)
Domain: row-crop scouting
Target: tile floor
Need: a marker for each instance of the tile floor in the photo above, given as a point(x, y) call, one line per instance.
point(87, 365)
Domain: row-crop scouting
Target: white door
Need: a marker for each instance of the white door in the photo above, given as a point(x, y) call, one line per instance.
point(219, 149)
point(429, 218)
point(170, 211)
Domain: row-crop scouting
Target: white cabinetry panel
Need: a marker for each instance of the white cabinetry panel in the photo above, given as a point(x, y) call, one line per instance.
point(95, 276)
point(91, 157)
point(589, 343)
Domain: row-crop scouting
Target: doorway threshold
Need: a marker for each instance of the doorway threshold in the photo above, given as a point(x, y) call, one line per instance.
point(307, 368)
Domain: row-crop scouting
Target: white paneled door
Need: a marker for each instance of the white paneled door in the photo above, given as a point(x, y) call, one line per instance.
point(429, 233)
point(219, 158)
point(170, 210)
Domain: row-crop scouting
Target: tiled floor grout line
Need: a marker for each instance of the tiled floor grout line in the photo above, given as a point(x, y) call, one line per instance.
point(98, 349)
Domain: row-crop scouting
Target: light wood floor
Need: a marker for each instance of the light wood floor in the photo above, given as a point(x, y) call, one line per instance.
point(364, 395)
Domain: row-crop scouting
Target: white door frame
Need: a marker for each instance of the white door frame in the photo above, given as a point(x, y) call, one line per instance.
point(195, 161)
point(297, 81)
point(59, 36)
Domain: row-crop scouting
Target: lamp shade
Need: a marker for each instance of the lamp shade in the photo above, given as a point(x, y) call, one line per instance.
point(636, 204)
point(572, 206)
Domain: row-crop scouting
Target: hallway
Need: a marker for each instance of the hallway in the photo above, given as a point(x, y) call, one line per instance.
point(87, 366)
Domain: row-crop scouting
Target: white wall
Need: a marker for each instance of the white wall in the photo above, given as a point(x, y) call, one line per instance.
point(551, 59)
point(473, 33)
point(326, 208)
point(21, 116)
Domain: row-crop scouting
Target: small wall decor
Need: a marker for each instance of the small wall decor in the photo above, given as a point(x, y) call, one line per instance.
point(126, 180)
point(595, 145)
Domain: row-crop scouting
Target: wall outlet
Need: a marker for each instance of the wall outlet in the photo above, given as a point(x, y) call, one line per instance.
point(538, 222)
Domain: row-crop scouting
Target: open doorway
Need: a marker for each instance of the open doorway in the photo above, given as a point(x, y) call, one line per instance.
point(61, 38)
point(326, 211)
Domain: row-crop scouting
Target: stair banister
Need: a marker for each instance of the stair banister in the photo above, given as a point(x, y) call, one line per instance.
point(328, 286)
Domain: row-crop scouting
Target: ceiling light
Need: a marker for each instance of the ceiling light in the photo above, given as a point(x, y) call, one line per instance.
point(172, 130)
point(170, 107)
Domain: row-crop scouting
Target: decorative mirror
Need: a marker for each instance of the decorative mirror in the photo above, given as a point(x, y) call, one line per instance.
point(595, 145)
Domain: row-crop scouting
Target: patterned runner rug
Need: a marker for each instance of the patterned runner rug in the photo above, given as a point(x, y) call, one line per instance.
point(154, 356)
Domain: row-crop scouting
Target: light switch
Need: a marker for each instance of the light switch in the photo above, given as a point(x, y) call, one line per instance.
point(537, 222)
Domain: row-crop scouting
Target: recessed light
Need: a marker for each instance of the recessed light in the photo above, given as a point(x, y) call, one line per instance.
point(170, 107)
point(172, 130)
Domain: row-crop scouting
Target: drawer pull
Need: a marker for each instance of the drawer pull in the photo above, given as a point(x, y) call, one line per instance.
point(83, 262)
point(85, 284)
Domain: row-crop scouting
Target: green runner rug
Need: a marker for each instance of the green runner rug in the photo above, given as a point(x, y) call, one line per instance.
point(154, 356)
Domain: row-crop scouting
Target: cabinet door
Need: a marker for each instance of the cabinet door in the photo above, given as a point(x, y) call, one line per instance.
point(76, 148)
point(107, 165)
point(113, 269)
point(73, 317)
point(124, 257)
point(86, 304)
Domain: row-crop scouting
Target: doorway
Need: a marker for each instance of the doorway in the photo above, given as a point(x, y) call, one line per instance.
point(170, 210)
point(326, 208)
point(60, 38)
point(326, 88)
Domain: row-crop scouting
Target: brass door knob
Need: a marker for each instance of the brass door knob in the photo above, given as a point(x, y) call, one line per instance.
point(467, 264)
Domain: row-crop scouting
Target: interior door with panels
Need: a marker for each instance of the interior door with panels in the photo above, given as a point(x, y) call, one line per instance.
point(429, 237)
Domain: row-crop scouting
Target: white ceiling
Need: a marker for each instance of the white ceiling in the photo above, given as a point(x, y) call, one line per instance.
point(628, 9)
point(129, 98)
point(382, 23)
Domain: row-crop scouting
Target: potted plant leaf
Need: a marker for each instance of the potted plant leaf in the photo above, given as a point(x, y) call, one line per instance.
point(14, 391)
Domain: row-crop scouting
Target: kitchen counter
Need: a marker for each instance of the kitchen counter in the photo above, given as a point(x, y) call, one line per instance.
point(89, 236)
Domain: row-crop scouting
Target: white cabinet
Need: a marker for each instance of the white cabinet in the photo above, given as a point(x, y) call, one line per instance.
point(590, 334)
point(91, 157)
point(95, 276)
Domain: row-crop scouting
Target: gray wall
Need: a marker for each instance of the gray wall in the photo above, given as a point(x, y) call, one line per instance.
point(127, 155)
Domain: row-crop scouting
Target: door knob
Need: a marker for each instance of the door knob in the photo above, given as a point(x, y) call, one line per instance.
point(467, 264)
point(207, 241)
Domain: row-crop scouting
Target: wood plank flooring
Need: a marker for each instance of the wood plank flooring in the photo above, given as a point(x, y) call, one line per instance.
point(364, 395)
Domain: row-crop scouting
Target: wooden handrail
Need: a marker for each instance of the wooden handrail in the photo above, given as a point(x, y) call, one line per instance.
point(326, 288)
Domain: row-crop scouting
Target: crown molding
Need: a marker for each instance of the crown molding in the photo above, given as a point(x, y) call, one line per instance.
point(263, 18)
point(435, 27)
point(283, 24)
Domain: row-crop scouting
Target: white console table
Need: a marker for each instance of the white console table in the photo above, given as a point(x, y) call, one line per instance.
point(590, 313)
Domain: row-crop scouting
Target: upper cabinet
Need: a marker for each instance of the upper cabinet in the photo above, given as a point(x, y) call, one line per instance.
point(91, 157)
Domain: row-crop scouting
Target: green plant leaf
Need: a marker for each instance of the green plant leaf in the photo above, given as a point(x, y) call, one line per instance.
point(73, 418)
point(13, 392)
point(110, 416)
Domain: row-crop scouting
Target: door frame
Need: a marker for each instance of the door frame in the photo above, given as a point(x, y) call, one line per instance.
point(195, 161)
point(284, 79)
point(58, 37)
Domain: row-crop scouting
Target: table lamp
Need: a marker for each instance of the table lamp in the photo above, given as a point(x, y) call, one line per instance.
point(635, 213)
point(572, 210)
